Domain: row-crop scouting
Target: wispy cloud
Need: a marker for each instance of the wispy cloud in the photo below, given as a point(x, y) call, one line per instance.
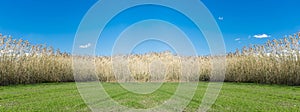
point(221, 18)
point(237, 39)
point(249, 37)
point(261, 36)
point(85, 46)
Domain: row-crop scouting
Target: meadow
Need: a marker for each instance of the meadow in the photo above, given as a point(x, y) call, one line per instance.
point(257, 78)
point(48, 97)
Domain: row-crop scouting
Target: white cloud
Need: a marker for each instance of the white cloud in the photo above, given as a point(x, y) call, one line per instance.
point(261, 36)
point(221, 18)
point(237, 39)
point(85, 46)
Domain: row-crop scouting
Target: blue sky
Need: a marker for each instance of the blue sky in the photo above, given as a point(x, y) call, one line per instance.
point(54, 22)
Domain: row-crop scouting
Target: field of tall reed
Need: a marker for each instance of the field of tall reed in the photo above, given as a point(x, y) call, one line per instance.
point(275, 62)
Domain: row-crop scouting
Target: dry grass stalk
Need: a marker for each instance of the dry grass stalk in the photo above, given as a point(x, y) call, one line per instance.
point(276, 62)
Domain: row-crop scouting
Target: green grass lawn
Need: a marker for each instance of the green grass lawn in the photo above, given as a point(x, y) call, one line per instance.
point(233, 97)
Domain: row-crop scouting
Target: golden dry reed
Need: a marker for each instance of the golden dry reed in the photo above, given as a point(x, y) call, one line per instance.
point(275, 62)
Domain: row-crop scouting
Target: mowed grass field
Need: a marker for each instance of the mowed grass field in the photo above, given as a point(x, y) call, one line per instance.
point(58, 97)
